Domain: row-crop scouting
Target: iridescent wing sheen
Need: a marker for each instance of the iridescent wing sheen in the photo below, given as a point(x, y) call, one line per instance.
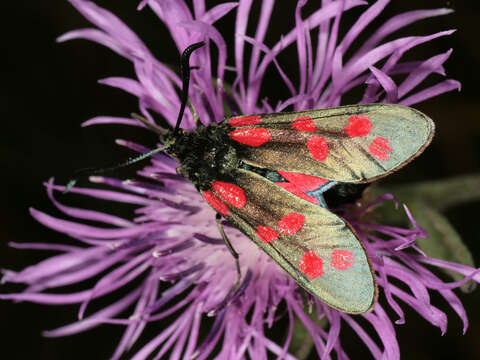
point(357, 144)
point(313, 245)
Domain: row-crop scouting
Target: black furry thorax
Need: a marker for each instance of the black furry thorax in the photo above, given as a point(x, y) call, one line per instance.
point(205, 154)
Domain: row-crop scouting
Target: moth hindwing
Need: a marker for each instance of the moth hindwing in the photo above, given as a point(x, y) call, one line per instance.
point(266, 174)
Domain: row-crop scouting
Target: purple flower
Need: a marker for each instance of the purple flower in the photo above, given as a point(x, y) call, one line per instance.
point(173, 237)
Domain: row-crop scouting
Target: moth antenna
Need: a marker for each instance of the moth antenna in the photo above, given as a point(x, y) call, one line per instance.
point(185, 69)
point(95, 171)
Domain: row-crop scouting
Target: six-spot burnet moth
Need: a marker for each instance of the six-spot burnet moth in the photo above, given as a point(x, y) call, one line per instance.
point(266, 175)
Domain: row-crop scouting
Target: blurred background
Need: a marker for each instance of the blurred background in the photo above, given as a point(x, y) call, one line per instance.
point(49, 89)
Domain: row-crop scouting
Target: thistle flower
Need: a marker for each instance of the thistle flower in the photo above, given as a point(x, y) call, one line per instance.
point(173, 237)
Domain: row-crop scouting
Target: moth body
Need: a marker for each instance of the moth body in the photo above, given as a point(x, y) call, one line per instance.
point(266, 174)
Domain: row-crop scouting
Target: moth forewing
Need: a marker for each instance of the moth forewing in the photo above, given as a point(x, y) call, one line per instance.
point(358, 143)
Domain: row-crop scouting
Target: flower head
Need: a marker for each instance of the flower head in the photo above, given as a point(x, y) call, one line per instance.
point(173, 237)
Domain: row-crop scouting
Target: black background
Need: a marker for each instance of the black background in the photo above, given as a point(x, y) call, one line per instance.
point(48, 89)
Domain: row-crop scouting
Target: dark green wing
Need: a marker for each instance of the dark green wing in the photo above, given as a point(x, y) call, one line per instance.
point(313, 245)
point(356, 144)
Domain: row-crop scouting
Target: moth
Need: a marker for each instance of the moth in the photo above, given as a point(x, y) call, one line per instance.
point(266, 174)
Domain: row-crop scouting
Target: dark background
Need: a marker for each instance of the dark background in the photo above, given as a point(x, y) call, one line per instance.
point(49, 89)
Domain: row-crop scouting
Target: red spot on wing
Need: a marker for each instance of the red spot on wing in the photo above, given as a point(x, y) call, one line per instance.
point(266, 234)
point(230, 193)
point(341, 259)
point(245, 120)
point(296, 191)
point(380, 148)
point(358, 125)
point(304, 123)
point(311, 265)
point(215, 202)
point(251, 136)
point(318, 147)
point(304, 182)
point(291, 223)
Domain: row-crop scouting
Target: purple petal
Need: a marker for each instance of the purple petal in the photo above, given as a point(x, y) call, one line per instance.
point(320, 16)
point(85, 214)
point(385, 331)
point(398, 22)
point(76, 229)
point(261, 30)
point(388, 295)
point(432, 91)
point(366, 18)
point(271, 56)
point(217, 12)
point(110, 24)
point(121, 275)
point(387, 83)
point(194, 332)
point(112, 120)
point(134, 331)
point(95, 319)
point(173, 12)
point(108, 195)
point(74, 276)
point(430, 313)
point(95, 36)
point(460, 268)
point(146, 350)
point(418, 75)
point(357, 66)
point(169, 294)
point(174, 308)
point(56, 264)
point(301, 46)
point(134, 146)
point(43, 246)
point(333, 333)
point(129, 85)
point(362, 334)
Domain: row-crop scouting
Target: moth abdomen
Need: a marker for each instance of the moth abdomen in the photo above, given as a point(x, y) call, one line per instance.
point(344, 193)
point(269, 174)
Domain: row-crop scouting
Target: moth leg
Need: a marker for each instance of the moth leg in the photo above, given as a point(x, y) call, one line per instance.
point(232, 251)
point(318, 193)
